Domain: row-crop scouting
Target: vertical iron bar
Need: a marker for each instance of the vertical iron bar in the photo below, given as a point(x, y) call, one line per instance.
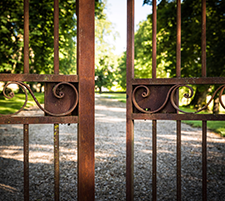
point(204, 160)
point(56, 36)
point(154, 32)
point(178, 50)
point(154, 64)
point(203, 38)
point(56, 126)
point(154, 160)
point(178, 74)
point(129, 121)
point(26, 126)
point(86, 72)
point(179, 160)
point(26, 36)
point(26, 160)
point(56, 161)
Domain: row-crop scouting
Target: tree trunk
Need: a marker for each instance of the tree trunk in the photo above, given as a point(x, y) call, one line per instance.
point(199, 99)
point(216, 105)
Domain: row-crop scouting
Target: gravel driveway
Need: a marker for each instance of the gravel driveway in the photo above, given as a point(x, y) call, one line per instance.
point(110, 158)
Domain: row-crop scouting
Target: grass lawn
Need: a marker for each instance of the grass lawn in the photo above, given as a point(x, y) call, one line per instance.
point(14, 104)
point(217, 126)
point(119, 96)
point(9, 106)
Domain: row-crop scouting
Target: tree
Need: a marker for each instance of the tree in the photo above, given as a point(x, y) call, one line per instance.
point(105, 60)
point(41, 35)
point(191, 41)
point(121, 71)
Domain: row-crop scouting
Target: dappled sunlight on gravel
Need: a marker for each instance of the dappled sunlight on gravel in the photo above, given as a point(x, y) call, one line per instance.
point(110, 159)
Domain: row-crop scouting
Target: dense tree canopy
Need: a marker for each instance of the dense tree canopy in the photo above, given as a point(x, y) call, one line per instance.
point(41, 35)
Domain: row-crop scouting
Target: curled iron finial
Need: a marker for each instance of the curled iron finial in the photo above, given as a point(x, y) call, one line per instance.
point(145, 94)
point(220, 96)
point(11, 95)
point(171, 94)
point(57, 91)
point(189, 96)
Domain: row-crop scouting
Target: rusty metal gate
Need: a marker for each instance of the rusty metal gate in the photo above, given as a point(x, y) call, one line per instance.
point(157, 99)
point(68, 98)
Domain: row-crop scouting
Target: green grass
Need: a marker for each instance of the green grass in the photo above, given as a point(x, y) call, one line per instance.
point(9, 106)
point(217, 126)
point(119, 96)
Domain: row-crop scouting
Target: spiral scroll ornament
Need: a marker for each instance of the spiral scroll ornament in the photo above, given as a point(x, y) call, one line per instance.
point(171, 95)
point(57, 92)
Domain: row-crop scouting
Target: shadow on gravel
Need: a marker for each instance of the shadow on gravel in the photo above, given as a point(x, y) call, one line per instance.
point(110, 160)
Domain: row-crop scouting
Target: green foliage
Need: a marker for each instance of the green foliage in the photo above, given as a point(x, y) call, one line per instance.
point(143, 51)
point(41, 36)
point(191, 37)
point(105, 60)
point(121, 71)
point(10, 34)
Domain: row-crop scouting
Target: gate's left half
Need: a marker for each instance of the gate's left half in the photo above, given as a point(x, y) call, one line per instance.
point(68, 99)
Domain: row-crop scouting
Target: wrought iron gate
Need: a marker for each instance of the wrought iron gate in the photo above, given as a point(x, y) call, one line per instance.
point(162, 103)
point(68, 98)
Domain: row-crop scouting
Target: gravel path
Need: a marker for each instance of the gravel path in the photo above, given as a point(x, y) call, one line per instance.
point(110, 140)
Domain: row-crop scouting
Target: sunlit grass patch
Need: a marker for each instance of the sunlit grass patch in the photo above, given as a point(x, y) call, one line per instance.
point(10, 106)
point(119, 96)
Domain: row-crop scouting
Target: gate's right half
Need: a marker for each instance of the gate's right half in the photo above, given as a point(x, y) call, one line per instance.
point(158, 99)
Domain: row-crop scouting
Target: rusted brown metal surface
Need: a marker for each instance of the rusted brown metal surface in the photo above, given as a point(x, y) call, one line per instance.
point(26, 160)
point(157, 99)
point(204, 160)
point(85, 61)
point(203, 48)
point(56, 162)
point(164, 98)
point(178, 122)
point(178, 160)
point(26, 36)
point(129, 121)
point(151, 99)
point(38, 78)
point(56, 36)
point(26, 126)
point(38, 120)
point(178, 45)
point(172, 81)
point(154, 39)
point(55, 104)
point(154, 160)
point(61, 99)
point(166, 116)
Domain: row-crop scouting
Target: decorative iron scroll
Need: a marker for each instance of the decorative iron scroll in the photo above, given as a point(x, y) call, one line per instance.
point(171, 95)
point(57, 91)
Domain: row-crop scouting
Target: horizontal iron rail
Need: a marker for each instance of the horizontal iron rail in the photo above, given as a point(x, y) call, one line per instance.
point(169, 81)
point(161, 116)
point(39, 120)
point(38, 78)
